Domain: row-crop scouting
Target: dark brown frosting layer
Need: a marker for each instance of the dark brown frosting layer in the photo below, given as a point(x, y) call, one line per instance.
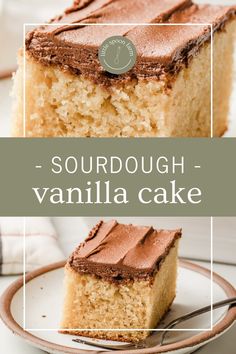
point(162, 50)
point(119, 252)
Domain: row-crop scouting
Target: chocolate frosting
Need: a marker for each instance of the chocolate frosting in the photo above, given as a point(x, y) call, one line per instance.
point(119, 252)
point(162, 50)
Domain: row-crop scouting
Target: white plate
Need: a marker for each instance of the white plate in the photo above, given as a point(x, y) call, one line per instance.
point(44, 297)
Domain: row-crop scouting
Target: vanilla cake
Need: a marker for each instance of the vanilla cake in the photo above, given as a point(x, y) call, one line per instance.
point(121, 277)
point(166, 94)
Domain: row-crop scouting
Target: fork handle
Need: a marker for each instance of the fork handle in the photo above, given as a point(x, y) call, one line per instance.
point(231, 301)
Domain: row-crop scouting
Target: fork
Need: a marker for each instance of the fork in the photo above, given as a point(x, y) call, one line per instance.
point(153, 340)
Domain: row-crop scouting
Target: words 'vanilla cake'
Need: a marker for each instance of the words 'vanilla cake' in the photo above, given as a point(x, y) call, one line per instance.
point(121, 277)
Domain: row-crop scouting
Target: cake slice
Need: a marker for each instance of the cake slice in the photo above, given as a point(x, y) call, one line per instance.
point(121, 277)
point(166, 94)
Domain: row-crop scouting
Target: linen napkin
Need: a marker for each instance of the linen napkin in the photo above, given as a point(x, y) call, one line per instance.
point(40, 242)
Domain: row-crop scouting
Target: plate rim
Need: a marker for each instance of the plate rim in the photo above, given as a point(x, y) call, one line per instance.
point(8, 319)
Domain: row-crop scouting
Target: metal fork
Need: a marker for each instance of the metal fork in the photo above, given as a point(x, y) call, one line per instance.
point(153, 339)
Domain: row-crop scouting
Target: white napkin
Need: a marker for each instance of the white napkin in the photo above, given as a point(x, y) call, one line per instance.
point(41, 244)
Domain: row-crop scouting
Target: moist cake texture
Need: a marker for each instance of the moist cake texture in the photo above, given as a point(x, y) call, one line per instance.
point(168, 91)
point(121, 277)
